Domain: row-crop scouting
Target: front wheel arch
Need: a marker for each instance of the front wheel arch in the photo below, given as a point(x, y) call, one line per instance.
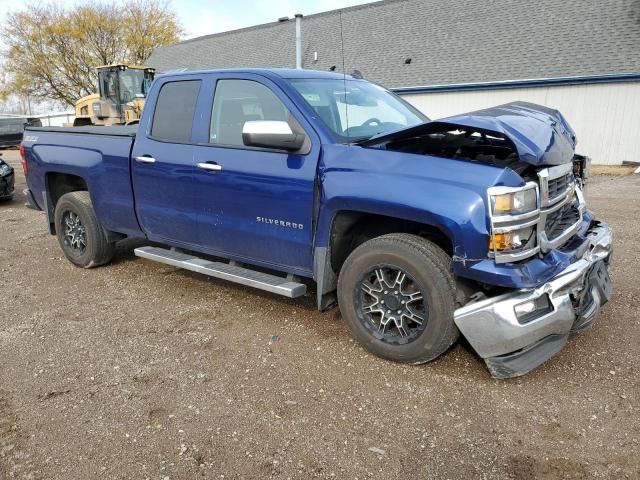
point(349, 229)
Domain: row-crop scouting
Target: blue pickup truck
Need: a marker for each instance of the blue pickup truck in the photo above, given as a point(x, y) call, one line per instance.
point(281, 179)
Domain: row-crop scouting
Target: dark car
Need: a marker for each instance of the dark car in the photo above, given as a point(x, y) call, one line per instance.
point(12, 128)
point(7, 180)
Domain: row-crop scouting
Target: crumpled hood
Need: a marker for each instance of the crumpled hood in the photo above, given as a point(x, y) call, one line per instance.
point(541, 135)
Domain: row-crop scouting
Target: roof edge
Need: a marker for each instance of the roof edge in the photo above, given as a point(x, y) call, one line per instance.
point(530, 82)
point(336, 11)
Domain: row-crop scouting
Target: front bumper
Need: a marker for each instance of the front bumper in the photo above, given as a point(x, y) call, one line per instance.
point(512, 347)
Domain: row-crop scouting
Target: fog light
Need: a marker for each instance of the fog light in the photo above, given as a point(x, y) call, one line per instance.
point(514, 240)
point(531, 309)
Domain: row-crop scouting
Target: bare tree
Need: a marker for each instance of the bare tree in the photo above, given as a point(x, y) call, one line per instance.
point(52, 52)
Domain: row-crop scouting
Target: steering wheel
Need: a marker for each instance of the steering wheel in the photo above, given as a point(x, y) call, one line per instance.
point(371, 121)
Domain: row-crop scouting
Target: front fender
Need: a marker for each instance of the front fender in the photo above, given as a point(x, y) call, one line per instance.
point(460, 215)
point(447, 194)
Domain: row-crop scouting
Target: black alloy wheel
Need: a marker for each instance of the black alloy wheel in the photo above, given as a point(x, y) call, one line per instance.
point(391, 305)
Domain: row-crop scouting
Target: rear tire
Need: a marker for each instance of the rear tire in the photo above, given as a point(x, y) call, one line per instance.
point(81, 237)
point(397, 296)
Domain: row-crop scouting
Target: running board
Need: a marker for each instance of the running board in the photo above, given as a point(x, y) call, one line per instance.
point(263, 281)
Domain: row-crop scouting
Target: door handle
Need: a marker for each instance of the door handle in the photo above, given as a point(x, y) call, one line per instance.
point(145, 160)
point(211, 167)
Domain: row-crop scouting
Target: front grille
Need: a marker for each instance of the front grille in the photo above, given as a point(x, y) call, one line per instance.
point(558, 186)
point(561, 203)
point(560, 220)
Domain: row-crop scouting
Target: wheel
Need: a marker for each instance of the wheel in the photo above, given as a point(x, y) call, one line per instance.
point(397, 296)
point(79, 233)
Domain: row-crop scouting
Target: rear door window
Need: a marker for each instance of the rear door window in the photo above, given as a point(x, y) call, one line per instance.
point(175, 108)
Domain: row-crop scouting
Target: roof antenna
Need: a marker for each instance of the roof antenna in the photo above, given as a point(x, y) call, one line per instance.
point(344, 80)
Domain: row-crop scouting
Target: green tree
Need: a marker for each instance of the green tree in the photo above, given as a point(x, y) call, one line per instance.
point(51, 52)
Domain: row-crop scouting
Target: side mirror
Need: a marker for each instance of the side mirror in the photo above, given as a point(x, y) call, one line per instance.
point(271, 134)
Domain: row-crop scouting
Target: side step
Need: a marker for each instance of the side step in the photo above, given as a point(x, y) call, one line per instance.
point(226, 271)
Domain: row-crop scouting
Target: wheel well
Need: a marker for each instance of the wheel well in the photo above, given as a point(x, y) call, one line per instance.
point(59, 184)
point(351, 229)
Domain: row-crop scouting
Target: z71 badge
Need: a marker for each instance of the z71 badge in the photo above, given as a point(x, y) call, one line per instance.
point(280, 223)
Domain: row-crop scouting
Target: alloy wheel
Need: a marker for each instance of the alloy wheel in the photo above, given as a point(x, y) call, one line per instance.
point(75, 234)
point(391, 305)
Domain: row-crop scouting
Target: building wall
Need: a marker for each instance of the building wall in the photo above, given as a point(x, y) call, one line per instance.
point(606, 116)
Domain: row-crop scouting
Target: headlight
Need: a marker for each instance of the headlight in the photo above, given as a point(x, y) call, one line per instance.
point(514, 214)
point(5, 170)
point(97, 108)
point(515, 203)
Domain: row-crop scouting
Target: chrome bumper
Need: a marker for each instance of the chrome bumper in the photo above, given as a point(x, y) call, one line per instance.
point(511, 347)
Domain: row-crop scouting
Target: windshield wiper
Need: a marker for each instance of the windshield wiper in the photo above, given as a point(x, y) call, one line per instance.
point(357, 140)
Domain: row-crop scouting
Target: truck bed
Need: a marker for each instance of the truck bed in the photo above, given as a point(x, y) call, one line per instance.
point(96, 156)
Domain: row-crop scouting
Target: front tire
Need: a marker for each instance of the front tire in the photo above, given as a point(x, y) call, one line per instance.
point(397, 296)
point(81, 237)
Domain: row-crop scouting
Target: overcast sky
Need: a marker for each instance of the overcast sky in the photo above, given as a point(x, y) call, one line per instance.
point(202, 17)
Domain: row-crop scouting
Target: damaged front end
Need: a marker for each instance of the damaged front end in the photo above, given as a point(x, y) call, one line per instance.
point(537, 143)
point(546, 271)
point(518, 330)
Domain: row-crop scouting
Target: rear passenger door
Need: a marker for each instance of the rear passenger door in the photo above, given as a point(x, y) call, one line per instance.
point(163, 165)
point(255, 203)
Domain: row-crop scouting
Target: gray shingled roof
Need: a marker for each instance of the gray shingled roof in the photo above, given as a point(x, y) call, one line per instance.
point(449, 42)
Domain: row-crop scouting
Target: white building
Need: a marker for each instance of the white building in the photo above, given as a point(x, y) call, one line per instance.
point(56, 119)
point(581, 57)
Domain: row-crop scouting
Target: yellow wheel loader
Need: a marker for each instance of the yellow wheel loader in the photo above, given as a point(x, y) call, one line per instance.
point(122, 93)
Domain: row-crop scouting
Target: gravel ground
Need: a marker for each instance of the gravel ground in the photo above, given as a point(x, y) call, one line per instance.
point(138, 370)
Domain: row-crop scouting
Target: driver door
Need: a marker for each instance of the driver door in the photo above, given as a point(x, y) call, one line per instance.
point(255, 203)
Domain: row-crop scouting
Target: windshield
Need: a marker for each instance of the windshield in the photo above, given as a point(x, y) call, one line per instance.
point(132, 83)
point(355, 109)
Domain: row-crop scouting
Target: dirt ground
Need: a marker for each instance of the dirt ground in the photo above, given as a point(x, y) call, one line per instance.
point(137, 370)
